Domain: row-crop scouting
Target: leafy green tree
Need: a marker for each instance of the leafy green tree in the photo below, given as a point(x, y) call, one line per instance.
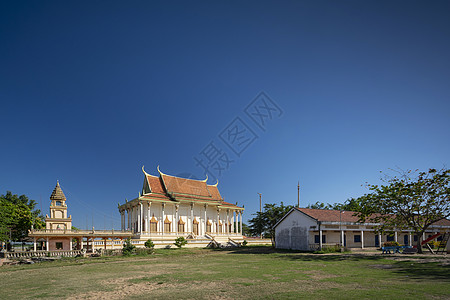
point(351, 204)
point(128, 247)
point(263, 223)
point(246, 230)
point(180, 242)
point(409, 200)
point(17, 215)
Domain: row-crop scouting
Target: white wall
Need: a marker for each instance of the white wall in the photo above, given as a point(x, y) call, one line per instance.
point(293, 232)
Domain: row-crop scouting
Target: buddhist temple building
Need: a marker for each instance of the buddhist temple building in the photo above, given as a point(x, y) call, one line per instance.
point(169, 207)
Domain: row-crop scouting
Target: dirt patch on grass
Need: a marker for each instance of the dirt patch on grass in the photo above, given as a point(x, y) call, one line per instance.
point(318, 275)
point(382, 266)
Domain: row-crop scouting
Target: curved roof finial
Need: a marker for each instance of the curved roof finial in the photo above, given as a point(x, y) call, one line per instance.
point(206, 178)
point(217, 183)
point(144, 170)
point(159, 171)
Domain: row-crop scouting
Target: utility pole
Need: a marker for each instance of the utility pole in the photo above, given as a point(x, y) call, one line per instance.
point(298, 194)
point(260, 204)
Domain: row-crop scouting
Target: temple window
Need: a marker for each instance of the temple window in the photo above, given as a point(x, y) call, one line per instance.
point(180, 225)
point(58, 203)
point(195, 226)
point(208, 226)
point(153, 224)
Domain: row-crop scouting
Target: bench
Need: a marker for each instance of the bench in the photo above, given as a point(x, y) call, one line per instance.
point(396, 249)
point(410, 250)
point(387, 250)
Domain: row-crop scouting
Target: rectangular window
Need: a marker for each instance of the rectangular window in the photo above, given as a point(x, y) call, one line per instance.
point(357, 238)
point(153, 227)
point(180, 227)
point(195, 229)
point(317, 239)
point(166, 227)
point(59, 245)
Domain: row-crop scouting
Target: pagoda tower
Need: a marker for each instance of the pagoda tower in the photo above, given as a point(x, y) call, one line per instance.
point(58, 219)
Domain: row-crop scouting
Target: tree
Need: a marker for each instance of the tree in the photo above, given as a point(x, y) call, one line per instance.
point(409, 200)
point(17, 216)
point(265, 221)
point(149, 244)
point(128, 247)
point(180, 242)
point(351, 204)
point(246, 230)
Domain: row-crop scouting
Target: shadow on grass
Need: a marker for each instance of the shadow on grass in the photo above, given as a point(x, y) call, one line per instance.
point(420, 270)
point(415, 268)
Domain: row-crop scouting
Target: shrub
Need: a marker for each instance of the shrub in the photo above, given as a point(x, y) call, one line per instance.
point(149, 244)
point(391, 244)
point(244, 243)
point(180, 242)
point(143, 251)
point(128, 247)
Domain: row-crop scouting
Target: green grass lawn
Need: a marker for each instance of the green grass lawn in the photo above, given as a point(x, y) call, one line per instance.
point(244, 273)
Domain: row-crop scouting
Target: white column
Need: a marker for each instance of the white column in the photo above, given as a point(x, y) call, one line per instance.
point(395, 236)
point(81, 243)
point(227, 229)
point(320, 239)
point(70, 244)
point(162, 220)
point(342, 237)
point(242, 220)
point(204, 221)
point(362, 239)
point(34, 244)
point(47, 245)
point(140, 218)
point(410, 239)
point(191, 225)
point(176, 219)
point(149, 204)
point(218, 221)
point(379, 241)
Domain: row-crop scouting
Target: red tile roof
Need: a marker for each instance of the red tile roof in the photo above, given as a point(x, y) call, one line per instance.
point(171, 188)
point(214, 191)
point(185, 186)
point(443, 222)
point(325, 215)
point(155, 184)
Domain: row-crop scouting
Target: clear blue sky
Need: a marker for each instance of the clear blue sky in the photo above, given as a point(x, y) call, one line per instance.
point(92, 90)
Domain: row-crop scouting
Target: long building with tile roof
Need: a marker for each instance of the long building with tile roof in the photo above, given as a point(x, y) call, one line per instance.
point(168, 207)
point(312, 229)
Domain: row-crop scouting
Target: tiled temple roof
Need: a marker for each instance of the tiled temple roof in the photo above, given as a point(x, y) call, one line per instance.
point(172, 188)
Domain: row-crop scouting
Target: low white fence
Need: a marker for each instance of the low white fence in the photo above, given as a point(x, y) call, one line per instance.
point(30, 254)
